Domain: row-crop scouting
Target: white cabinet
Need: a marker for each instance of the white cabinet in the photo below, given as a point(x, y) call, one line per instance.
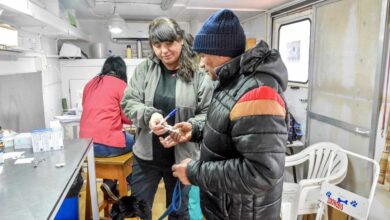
point(76, 73)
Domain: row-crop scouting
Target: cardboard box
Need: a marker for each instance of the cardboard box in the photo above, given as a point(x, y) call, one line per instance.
point(333, 214)
point(387, 175)
point(383, 167)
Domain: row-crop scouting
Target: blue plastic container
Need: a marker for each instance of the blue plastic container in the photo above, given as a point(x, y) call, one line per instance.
point(69, 209)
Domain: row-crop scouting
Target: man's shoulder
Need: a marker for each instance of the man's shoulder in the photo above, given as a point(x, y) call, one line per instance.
point(253, 81)
point(258, 95)
point(261, 79)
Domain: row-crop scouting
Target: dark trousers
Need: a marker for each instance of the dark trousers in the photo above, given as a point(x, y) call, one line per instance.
point(144, 183)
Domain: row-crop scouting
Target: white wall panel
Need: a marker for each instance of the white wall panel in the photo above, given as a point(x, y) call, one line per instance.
point(256, 27)
point(347, 41)
point(346, 46)
point(21, 102)
point(76, 73)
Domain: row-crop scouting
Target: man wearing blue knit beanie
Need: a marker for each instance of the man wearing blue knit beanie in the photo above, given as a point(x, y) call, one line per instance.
point(240, 170)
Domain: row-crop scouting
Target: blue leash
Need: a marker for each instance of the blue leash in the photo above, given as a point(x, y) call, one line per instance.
point(175, 203)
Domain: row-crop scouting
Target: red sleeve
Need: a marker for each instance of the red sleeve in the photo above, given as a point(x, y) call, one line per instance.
point(125, 120)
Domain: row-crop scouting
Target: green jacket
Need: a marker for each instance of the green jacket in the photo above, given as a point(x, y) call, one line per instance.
point(192, 101)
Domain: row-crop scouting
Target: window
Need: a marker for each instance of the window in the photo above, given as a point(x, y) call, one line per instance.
point(294, 45)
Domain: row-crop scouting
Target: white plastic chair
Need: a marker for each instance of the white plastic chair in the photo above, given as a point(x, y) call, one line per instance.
point(303, 197)
point(346, 201)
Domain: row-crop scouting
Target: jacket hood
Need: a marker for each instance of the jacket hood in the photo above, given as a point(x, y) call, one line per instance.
point(262, 59)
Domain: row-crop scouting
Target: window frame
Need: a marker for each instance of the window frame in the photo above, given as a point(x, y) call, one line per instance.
point(310, 31)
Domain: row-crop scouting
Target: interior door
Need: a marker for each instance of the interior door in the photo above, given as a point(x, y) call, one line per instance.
point(291, 35)
point(346, 81)
point(345, 75)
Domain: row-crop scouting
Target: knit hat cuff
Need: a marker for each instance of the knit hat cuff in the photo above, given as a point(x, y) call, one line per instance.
point(230, 45)
point(220, 52)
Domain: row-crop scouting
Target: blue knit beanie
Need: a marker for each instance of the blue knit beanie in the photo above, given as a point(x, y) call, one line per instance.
point(221, 34)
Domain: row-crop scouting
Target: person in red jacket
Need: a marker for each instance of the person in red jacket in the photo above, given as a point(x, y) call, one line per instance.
point(102, 118)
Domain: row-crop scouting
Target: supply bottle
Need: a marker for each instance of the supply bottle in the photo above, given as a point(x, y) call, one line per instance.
point(128, 52)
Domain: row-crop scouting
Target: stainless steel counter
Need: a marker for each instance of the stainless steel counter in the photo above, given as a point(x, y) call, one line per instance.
point(37, 193)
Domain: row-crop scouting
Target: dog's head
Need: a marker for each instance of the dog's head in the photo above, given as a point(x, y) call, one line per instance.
point(129, 207)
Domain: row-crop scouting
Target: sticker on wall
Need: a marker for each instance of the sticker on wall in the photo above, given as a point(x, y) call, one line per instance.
point(294, 51)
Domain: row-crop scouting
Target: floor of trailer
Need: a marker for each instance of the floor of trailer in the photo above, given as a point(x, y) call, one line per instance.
point(158, 205)
point(380, 209)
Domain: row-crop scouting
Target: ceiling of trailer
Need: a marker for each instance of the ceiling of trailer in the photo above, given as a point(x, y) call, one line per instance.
point(181, 10)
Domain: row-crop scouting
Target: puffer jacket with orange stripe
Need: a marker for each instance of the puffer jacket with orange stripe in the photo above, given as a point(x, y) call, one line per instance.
point(240, 171)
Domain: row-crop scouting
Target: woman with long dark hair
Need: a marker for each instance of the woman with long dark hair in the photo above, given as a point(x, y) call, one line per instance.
point(102, 118)
point(168, 80)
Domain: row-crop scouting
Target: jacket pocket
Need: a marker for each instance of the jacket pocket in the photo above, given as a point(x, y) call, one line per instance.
point(216, 202)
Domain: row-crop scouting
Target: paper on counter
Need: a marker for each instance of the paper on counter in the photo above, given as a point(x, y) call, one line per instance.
point(24, 160)
point(13, 155)
point(68, 118)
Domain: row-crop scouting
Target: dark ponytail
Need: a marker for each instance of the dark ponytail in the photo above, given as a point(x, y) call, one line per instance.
point(114, 66)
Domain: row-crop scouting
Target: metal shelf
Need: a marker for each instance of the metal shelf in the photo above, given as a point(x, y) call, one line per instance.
point(30, 17)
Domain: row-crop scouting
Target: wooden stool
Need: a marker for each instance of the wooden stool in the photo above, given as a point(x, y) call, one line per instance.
point(117, 168)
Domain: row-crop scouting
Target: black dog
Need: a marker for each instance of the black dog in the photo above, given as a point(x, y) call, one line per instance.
point(129, 207)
